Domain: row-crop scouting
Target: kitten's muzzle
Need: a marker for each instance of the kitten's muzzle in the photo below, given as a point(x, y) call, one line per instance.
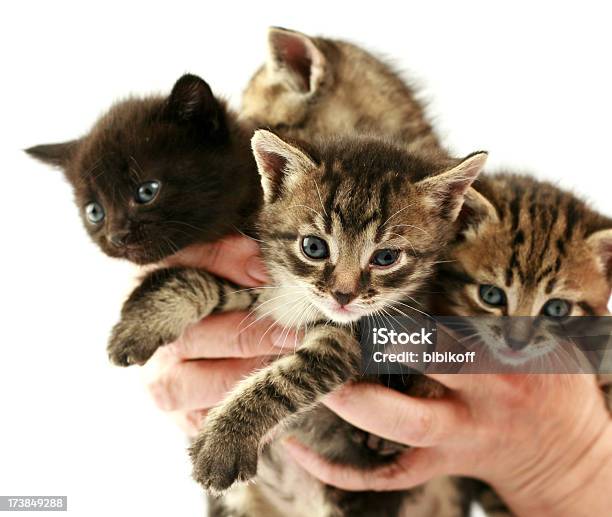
point(518, 332)
point(343, 298)
point(119, 239)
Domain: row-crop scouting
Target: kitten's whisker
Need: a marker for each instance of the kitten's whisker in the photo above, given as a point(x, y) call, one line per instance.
point(260, 287)
point(287, 328)
point(410, 226)
point(396, 213)
point(96, 164)
point(189, 225)
point(405, 305)
point(256, 309)
point(309, 208)
point(250, 237)
point(138, 168)
point(405, 239)
point(320, 198)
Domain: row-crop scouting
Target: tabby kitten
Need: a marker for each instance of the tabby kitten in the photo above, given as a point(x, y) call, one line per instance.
point(527, 248)
point(159, 173)
point(530, 249)
point(318, 86)
point(350, 227)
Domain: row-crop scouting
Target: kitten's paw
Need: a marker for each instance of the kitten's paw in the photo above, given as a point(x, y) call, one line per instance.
point(132, 343)
point(222, 458)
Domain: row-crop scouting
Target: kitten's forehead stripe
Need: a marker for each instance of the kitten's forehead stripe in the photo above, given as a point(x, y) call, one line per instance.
point(384, 209)
point(514, 211)
point(550, 222)
point(571, 218)
point(536, 251)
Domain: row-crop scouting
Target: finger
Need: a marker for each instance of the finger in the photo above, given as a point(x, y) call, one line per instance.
point(418, 422)
point(233, 334)
point(189, 385)
point(412, 468)
point(235, 258)
point(456, 381)
point(190, 422)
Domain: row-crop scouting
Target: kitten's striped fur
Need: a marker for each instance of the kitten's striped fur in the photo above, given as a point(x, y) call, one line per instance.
point(537, 242)
point(313, 86)
point(359, 195)
point(276, 97)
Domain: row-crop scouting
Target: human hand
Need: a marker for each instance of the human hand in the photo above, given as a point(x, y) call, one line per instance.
point(188, 377)
point(544, 442)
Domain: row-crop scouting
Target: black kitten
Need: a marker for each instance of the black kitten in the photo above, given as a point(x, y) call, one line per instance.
point(157, 174)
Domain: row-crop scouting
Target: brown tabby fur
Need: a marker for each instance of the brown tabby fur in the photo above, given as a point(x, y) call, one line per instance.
point(537, 242)
point(318, 86)
point(354, 194)
point(330, 85)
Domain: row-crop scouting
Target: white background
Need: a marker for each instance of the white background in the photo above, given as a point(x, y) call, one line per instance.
point(528, 82)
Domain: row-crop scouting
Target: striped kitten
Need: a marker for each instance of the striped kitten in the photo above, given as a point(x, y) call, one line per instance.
point(530, 249)
point(318, 86)
point(350, 228)
point(527, 248)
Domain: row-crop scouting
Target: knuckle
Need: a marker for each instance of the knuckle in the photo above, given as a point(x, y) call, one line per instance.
point(419, 427)
point(515, 390)
point(226, 384)
point(211, 257)
point(163, 390)
point(184, 343)
point(194, 420)
point(243, 341)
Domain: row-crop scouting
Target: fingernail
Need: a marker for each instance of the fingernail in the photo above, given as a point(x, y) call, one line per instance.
point(256, 270)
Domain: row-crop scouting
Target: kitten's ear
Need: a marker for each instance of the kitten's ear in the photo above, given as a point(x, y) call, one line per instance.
point(278, 162)
point(57, 155)
point(192, 100)
point(297, 57)
point(476, 210)
point(601, 244)
point(446, 192)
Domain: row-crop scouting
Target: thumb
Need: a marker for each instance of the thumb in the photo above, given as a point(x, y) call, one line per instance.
point(411, 468)
point(235, 258)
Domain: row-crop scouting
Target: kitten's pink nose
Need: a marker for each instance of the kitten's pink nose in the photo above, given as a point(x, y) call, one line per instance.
point(343, 298)
point(119, 239)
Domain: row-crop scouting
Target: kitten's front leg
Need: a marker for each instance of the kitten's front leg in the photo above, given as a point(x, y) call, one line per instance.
point(164, 304)
point(226, 449)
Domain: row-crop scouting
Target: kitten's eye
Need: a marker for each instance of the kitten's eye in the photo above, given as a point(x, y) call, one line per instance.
point(557, 308)
point(94, 213)
point(315, 248)
point(492, 295)
point(384, 257)
point(148, 191)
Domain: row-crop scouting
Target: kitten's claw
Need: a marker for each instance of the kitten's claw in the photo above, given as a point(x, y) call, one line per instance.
point(221, 459)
